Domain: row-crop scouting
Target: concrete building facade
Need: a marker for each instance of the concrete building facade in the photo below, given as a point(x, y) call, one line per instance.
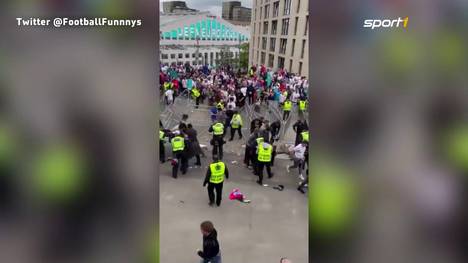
point(236, 14)
point(279, 35)
point(199, 38)
point(176, 7)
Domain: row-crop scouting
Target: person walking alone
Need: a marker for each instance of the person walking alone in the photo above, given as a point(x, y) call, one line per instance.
point(211, 252)
point(215, 175)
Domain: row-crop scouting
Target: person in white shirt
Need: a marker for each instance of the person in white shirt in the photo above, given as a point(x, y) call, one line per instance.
point(169, 96)
point(231, 105)
point(298, 153)
point(295, 96)
point(232, 97)
point(244, 91)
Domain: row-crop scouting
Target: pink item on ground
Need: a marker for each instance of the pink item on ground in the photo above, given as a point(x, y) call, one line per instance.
point(236, 195)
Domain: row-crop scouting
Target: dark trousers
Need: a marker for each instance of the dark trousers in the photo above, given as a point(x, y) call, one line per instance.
point(197, 101)
point(274, 132)
point(219, 192)
point(162, 152)
point(302, 185)
point(286, 114)
point(197, 157)
point(182, 162)
point(298, 139)
point(251, 99)
point(260, 166)
point(233, 131)
point(254, 161)
point(218, 146)
point(248, 152)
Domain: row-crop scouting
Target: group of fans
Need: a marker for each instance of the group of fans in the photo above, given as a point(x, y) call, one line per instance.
point(226, 92)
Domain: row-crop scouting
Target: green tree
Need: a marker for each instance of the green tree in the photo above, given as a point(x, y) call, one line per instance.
point(244, 56)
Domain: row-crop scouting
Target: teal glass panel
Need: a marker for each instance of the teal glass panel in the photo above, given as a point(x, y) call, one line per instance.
point(179, 33)
point(192, 31)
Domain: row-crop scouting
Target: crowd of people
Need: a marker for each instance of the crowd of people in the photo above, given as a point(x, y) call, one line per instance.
point(225, 92)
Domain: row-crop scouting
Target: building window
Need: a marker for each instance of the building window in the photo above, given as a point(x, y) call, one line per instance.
point(265, 28)
point(295, 25)
point(298, 6)
point(292, 48)
point(172, 55)
point(257, 55)
point(261, 11)
point(187, 55)
point(164, 56)
point(254, 28)
point(271, 59)
point(272, 44)
point(280, 62)
point(181, 55)
point(258, 42)
point(290, 65)
point(275, 9)
point(283, 43)
point(285, 26)
point(255, 14)
point(274, 25)
point(303, 48)
point(262, 60)
point(287, 7)
point(300, 69)
point(267, 11)
point(306, 26)
point(264, 43)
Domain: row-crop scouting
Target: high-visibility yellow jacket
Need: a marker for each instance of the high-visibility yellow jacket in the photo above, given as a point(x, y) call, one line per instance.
point(217, 172)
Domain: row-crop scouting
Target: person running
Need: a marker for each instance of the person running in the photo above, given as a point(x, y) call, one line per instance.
point(211, 252)
point(298, 152)
point(215, 175)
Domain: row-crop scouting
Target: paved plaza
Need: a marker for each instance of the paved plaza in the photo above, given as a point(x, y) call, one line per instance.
point(272, 226)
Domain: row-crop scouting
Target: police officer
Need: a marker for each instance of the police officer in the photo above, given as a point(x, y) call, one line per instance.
point(196, 94)
point(220, 106)
point(302, 105)
point(264, 154)
point(215, 178)
point(218, 134)
point(178, 147)
point(305, 136)
point(162, 150)
point(258, 141)
point(287, 108)
point(236, 124)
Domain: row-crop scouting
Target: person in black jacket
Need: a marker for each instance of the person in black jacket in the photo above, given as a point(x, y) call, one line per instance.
point(211, 252)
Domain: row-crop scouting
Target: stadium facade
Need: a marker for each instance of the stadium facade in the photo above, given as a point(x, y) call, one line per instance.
point(199, 38)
